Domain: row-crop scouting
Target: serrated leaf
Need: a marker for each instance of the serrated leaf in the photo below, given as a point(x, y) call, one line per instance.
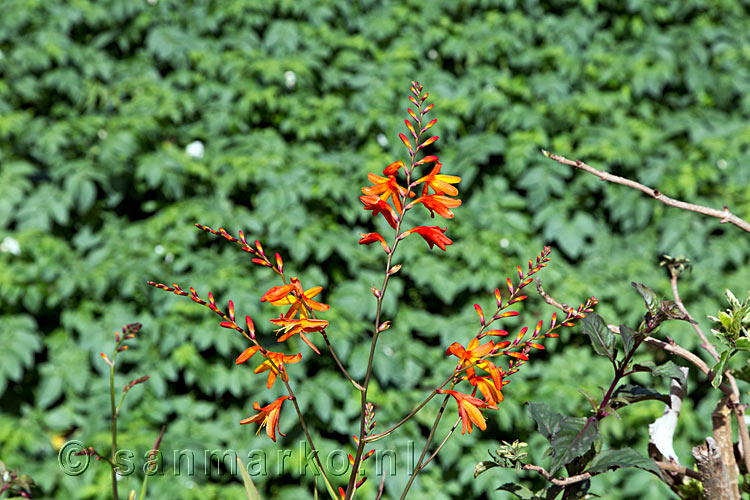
point(649, 297)
point(602, 339)
point(625, 457)
point(574, 438)
point(628, 337)
point(547, 420)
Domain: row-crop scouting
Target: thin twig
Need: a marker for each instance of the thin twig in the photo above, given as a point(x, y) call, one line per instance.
point(340, 365)
point(734, 398)
point(724, 215)
point(437, 450)
point(565, 481)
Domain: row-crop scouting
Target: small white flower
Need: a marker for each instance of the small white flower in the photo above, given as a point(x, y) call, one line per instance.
point(10, 245)
point(152, 2)
point(504, 243)
point(382, 140)
point(290, 78)
point(1, 54)
point(722, 164)
point(169, 258)
point(432, 54)
point(195, 149)
point(101, 134)
point(158, 249)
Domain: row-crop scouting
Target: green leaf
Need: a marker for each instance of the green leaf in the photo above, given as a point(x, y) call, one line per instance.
point(628, 394)
point(625, 457)
point(519, 491)
point(547, 420)
point(628, 337)
point(649, 297)
point(250, 490)
point(742, 343)
point(574, 438)
point(601, 337)
point(720, 367)
point(484, 466)
point(666, 370)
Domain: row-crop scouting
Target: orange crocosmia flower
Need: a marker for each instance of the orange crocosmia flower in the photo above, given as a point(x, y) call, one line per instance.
point(468, 409)
point(473, 353)
point(386, 187)
point(437, 203)
point(379, 206)
point(433, 235)
point(290, 326)
point(372, 238)
point(440, 183)
point(492, 394)
point(293, 295)
point(268, 416)
point(278, 358)
point(393, 168)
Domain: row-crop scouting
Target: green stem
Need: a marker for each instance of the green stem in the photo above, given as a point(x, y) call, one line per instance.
point(114, 424)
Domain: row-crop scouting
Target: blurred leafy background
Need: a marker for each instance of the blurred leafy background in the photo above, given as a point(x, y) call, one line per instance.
point(287, 106)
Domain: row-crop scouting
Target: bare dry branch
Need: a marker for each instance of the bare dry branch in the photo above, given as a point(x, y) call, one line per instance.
point(725, 216)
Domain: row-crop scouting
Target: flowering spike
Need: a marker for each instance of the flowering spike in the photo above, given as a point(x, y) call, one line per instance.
point(480, 313)
point(520, 335)
point(535, 345)
point(517, 355)
point(394, 269)
point(520, 273)
point(412, 99)
point(412, 114)
point(259, 248)
point(554, 321)
point(428, 142)
point(411, 128)
point(510, 286)
point(537, 329)
point(498, 298)
point(425, 110)
point(228, 324)
point(429, 125)
point(250, 326)
point(406, 143)
point(499, 333)
point(106, 359)
point(211, 300)
point(375, 292)
point(506, 314)
point(231, 310)
point(279, 263)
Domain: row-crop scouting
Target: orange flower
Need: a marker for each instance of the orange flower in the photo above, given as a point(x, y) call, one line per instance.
point(293, 295)
point(386, 187)
point(440, 183)
point(492, 394)
point(473, 353)
point(372, 238)
point(378, 206)
point(268, 415)
point(468, 409)
point(433, 235)
point(293, 326)
point(437, 203)
point(278, 358)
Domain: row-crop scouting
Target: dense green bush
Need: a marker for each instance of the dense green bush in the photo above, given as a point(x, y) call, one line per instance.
point(293, 102)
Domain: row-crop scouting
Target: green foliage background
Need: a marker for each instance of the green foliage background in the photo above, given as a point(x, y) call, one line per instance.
point(98, 101)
